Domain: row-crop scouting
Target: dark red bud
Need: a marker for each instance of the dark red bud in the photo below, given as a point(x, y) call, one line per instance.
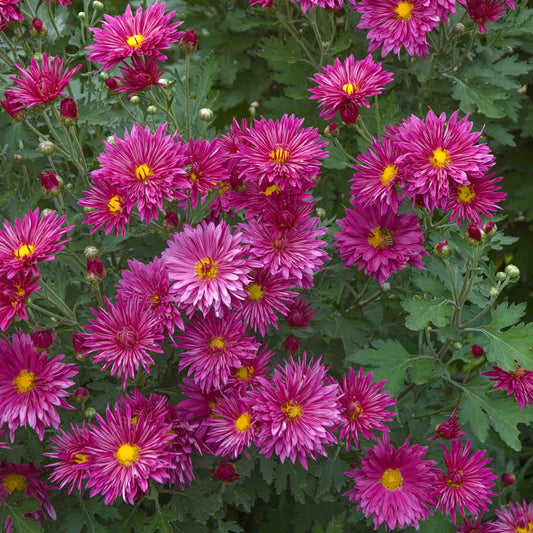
point(95, 270)
point(50, 182)
point(292, 345)
point(189, 41)
point(42, 339)
point(349, 113)
point(476, 350)
point(81, 394)
point(171, 221)
point(474, 233)
point(508, 480)
point(78, 343)
point(15, 110)
point(442, 248)
point(68, 110)
point(225, 471)
point(111, 84)
point(38, 28)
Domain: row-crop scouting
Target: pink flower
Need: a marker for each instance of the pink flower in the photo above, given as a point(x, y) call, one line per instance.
point(134, 35)
point(9, 11)
point(41, 84)
point(15, 110)
point(443, 7)
point(300, 313)
point(518, 382)
point(466, 482)
point(142, 74)
point(199, 404)
point(449, 430)
point(295, 411)
point(62, 3)
point(474, 524)
point(251, 374)
point(515, 518)
point(394, 485)
point(13, 295)
point(313, 4)
point(381, 244)
point(484, 11)
point(351, 82)
point(32, 386)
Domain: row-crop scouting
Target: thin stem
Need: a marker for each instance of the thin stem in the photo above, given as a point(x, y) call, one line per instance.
point(339, 145)
point(125, 108)
point(187, 99)
point(52, 18)
point(369, 300)
point(296, 36)
point(378, 119)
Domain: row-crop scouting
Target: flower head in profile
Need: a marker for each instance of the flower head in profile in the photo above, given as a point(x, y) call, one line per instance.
point(123, 336)
point(295, 411)
point(482, 11)
point(394, 485)
point(41, 84)
point(394, 24)
point(32, 386)
point(13, 295)
point(380, 244)
point(30, 240)
point(348, 82)
point(145, 33)
point(449, 430)
point(300, 313)
point(15, 110)
point(516, 517)
point(307, 5)
point(475, 524)
point(467, 482)
point(142, 74)
point(9, 11)
point(519, 382)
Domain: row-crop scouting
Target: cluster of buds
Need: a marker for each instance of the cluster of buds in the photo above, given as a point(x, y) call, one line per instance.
point(476, 234)
point(95, 268)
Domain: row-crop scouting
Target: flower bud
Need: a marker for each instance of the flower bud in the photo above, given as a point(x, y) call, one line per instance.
point(81, 394)
point(501, 276)
point(171, 221)
point(385, 287)
point(95, 270)
point(493, 292)
point(111, 84)
point(46, 212)
point(457, 346)
point(512, 271)
point(349, 113)
point(490, 228)
point(20, 159)
point(164, 82)
point(38, 28)
point(459, 28)
point(134, 99)
point(69, 186)
point(15, 110)
point(81, 15)
point(38, 56)
point(205, 114)
point(104, 76)
point(508, 480)
point(111, 140)
point(98, 6)
point(442, 249)
point(225, 471)
point(68, 111)
point(474, 234)
point(321, 212)
point(189, 41)
point(50, 183)
point(79, 345)
point(42, 339)
point(476, 350)
point(292, 345)
point(151, 110)
point(47, 147)
point(91, 252)
point(90, 412)
point(332, 130)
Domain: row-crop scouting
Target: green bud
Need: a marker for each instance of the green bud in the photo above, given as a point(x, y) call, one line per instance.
point(164, 81)
point(91, 252)
point(151, 109)
point(81, 15)
point(20, 159)
point(38, 56)
point(90, 412)
point(205, 114)
point(385, 287)
point(134, 99)
point(47, 147)
point(321, 212)
point(98, 6)
point(459, 28)
point(104, 76)
point(493, 292)
point(512, 271)
point(69, 186)
point(111, 140)
point(501, 276)
point(46, 212)
point(457, 346)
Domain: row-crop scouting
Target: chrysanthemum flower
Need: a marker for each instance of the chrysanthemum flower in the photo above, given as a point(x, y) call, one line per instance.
point(140, 75)
point(32, 386)
point(213, 348)
point(518, 382)
point(394, 485)
point(364, 407)
point(41, 84)
point(436, 154)
point(15, 110)
point(150, 284)
point(281, 153)
point(108, 207)
point(381, 244)
point(134, 35)
point(482, 11)
point(9, 10)
point(396, 23)
point(449, 430)
point(313, 4)
point(199, 403)
point(348, 82)
point(376, 175)
point(251, 374)
point(300, 313)
point(145, 168)
point(126, 455)
point(73, 461)
point(232, 427)
point(13, 295)
point(517, 518)
point(480, 196)
point(123, 335)
point(444, 8)
point(32, 239)
point(62, 3)
point(467, 482)
point(207, 266)
point(295, 410)
point(474, 524)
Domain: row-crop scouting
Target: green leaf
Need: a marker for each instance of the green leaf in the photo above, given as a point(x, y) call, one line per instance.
point(16, 510)
point(336, 159)
point(435, 523)
point(506, 315)
point(330, 473)
point(228, 526)
point(473, 97)
point(422, 311)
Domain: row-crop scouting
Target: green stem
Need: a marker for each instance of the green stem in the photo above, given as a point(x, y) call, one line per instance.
point(187, 99)
point(370, 299)
point(52, 18)
point(296, 36)
point(125, 108)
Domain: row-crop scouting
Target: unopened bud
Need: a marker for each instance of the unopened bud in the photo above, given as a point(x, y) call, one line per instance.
point(38, 56)
point(474, 234)
point(332, 130)
point(111, 84)
point(321, 212)
point(457, 346)
point(81, 15)
point(225, 471)
point(98, 6)
point(164, 81)
point(386, 287)
point(104, 76)
point(51, 183)
point(189, 41)
point(91, 252)
point(90, 412)
point(151, 109)
point(81, 394)
point(292, 345)
point(38, 28)
point(47, 147)
point(507, 481)
point(442, 249)
point(206, 114)
point(20, 159)
point(42, 339)
point(95, 270)
point(493, 292)
point(111, 140)
point(134, 99)
point(46, 212)
point(349, 113)
point(78, 344)
point(490, 228)
point(171, 221)
point(476, 350)
point(459, 28)
point(512, 271)
point(68, 111)
point(501, 276)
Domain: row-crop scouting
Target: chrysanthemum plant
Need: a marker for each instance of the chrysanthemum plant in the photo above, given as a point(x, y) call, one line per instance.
point(254, 266)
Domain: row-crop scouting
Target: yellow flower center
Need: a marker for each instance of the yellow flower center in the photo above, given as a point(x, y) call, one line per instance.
point(350, 88)
point(255, 291)
point(25, 381)
point(24, 250)
point(279, 155)
point(455, 479)
point(392, 479)
point(206, 268)
point(271, 189)
point(404, 10)
point(388, 174)
point(80, 458)
point(13, 482)
point(115, 204)
point(134, 419)
point(380, 238)
point(519, 372)
point(155, 299)
point(19, 291)
point(440, 158)
point(143, 171)
point(243, 422)
point(127, 454)
point(223, 188)
point(465, 194)
point(135, 40)
point(292, 409)
point(217, 344)
point(245, 373)
point(354, 410)
point(520, 529)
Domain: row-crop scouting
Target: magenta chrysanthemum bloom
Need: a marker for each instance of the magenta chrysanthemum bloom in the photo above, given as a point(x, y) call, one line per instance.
point(41, 84)
point(207, 266)
point(381, 244)
point(32, 386)
point(62, 3)
point(313, 4)
point(140, 75)
point(232, 427)
point(281, 153)
point(514, 518)
point(252, 372)
point(394, 485)
point(213, 349)
point(349, 83)
point(295, 410)
point(145, 167)
point(480, 196)
point(443, 7)
point(436, 154)
point(519, 383)
point(377, 174)
point(482, 11)
point(73, 461)
point(126, 455)
point(474, 524)
point(150, 284)
point(32, 239)
point(199, 403)
point(396, 23)
point(9, 10)
point(123, 335)
point(466, 483)
point(13, 295)
point(134, 35)
point(449, 430)
point(300, 313)
point(108, 207)
point(364, 407)
point(266, 295)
